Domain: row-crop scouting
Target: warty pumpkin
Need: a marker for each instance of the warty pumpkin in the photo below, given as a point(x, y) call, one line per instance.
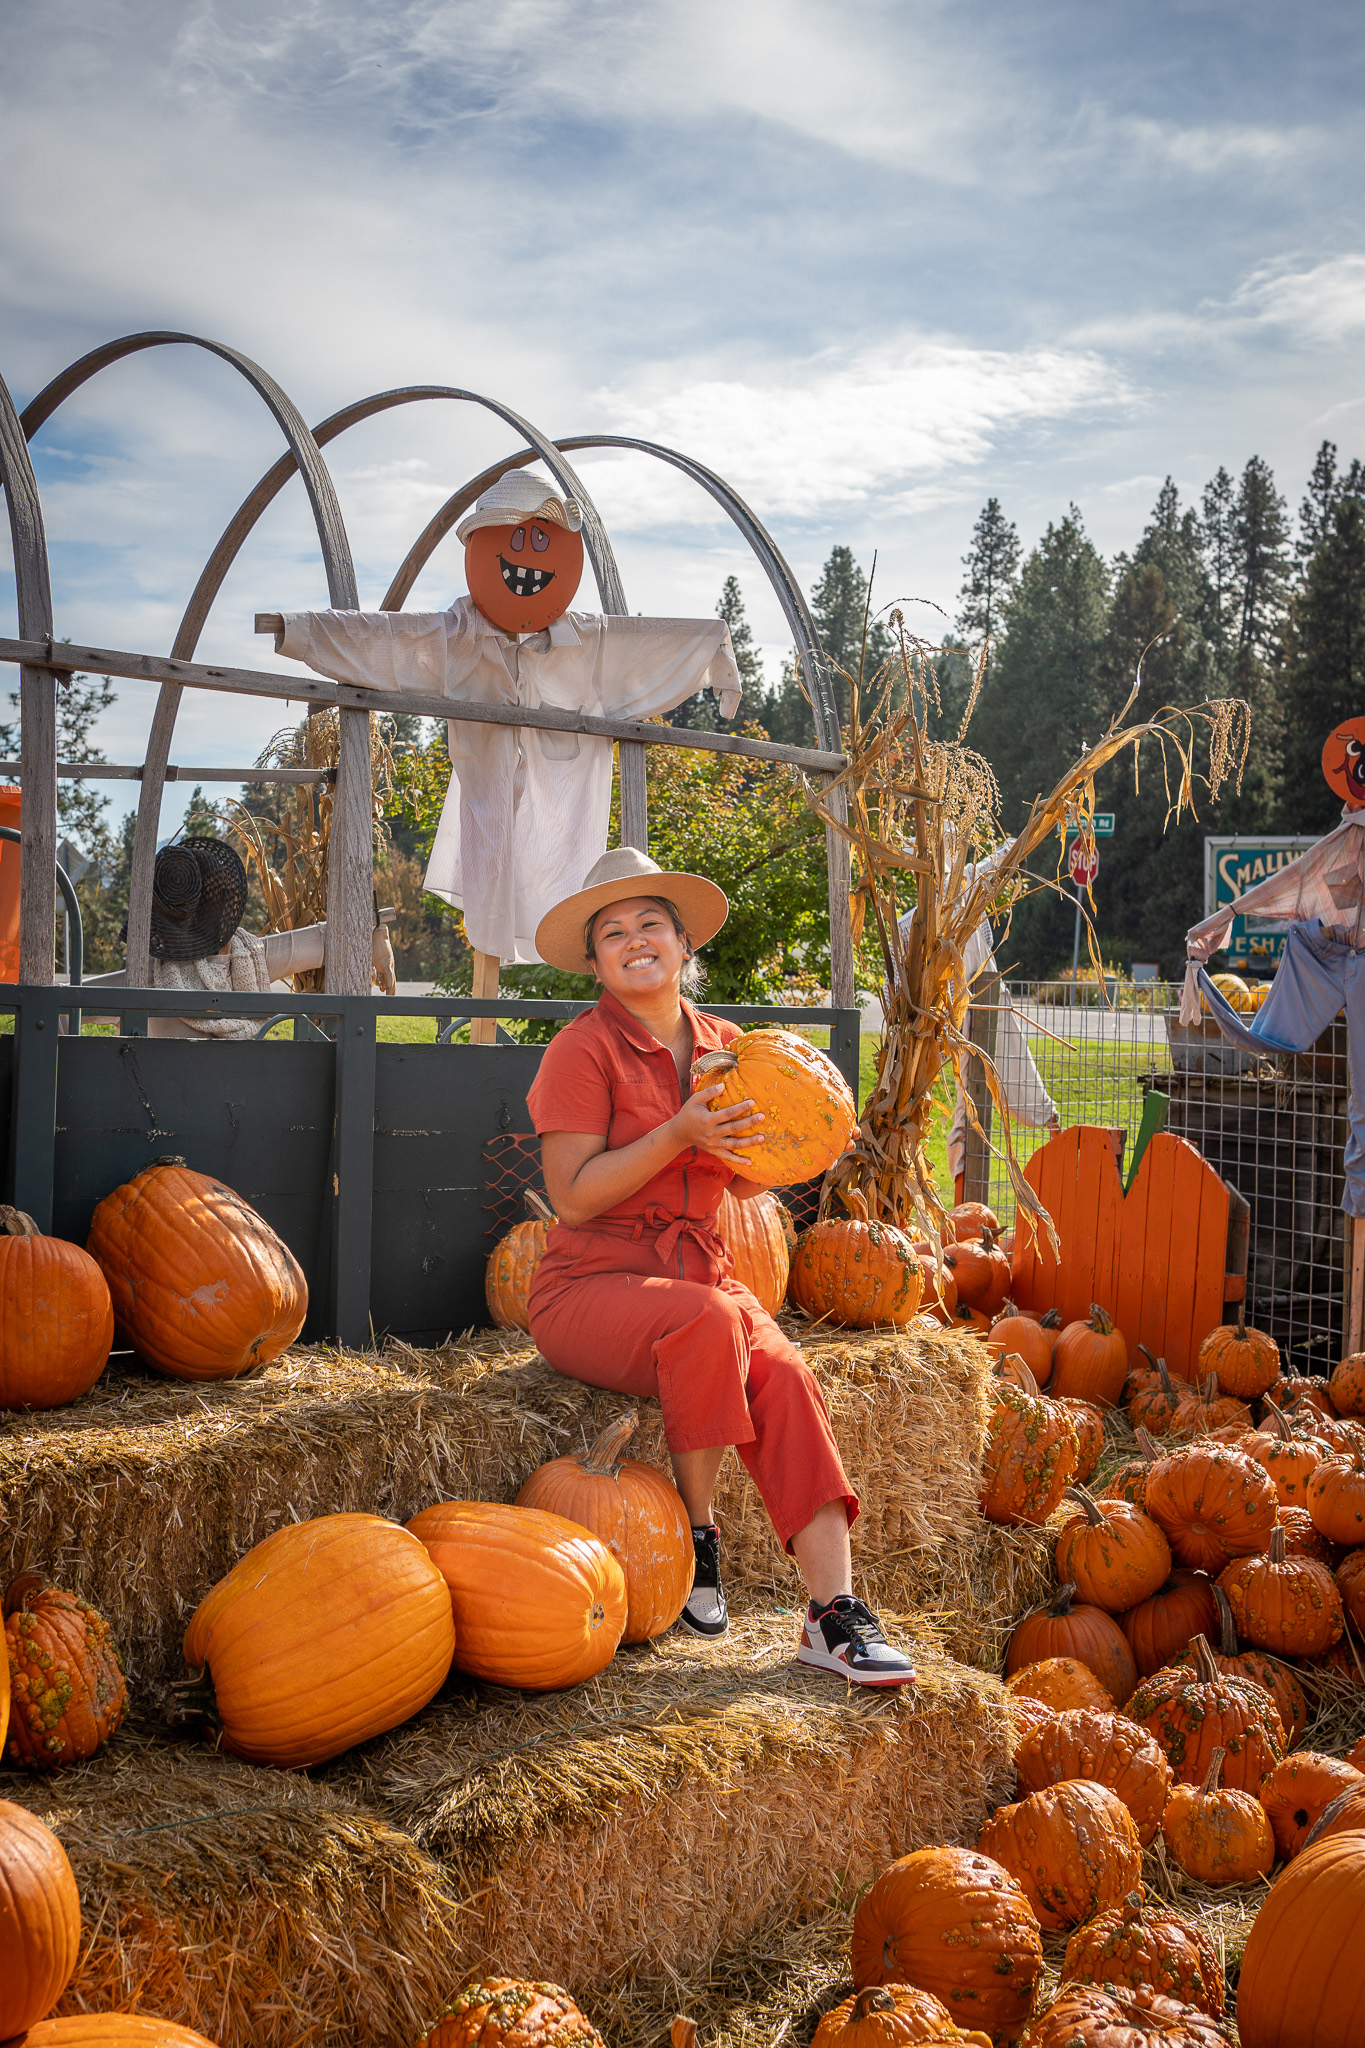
point(1203, 1411)
point(110, 2030)
point(1072, 1847)
point(1155, 1404)
point(1304, 1394)
point(755, 1235)
point(324, 1634)
point(1085, 1633)
point(1085, 2016)
point(1026, 1715)
point(1128, 1481)
point(1138, 1944)
point(201, 1285)
point(67, 1694)
point(1088, 1423)
point(1288, 1605)
point(1350, 1576)
point(893, 2016)
point(1193, 1713)
point(1061, 1682)
point(856, 1273)
point(1160, 1627)
point(1270, 1673)
point(40, 1920)
point(1290, 1456)
point(1336, 1498)
point(807, 1107)
point(1216, 1834)
point(1301, 1979)
point(1143, 1371)
point(1213, 1503)
point(957, 1924)
point(1031, 1455)
point(1090, 1359)
point(56, 1318)
point(634, 1509)
point(1246, 1362)
point(1107, 1749)
point(1115, 1554)
point(539, 1603)
point(1344, 1436)
point(1298, 1792)
point(1013, 1335)
point(512, 1265)
point(1347, 1385)
point(510, 2012)
point(1301, 1539)
point(981, 1270)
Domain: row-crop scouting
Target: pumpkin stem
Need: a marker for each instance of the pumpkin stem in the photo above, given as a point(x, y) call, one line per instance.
point(604, 1455)
point(164, 1159)
point(1051, 1321)
point(875, 1999)
point(711, 1063)
point(1062, 1604)
point(1165, 1378)
point(1278, 1423)
point(1027, 1383)
point(682, 2033)
point(1202, 1658)
point(987, 1240)
point(1148, 1445)
point(1132, 1909)
point(14, 1223)
point(1210, 1393)
point(539, 1207)
point(1277, 1549)
point(18, 1591)
point(855, 1202)
point(1007, 1308)
point(1101, 1322)
point(1087, 1501)
point(1241, 1322)
point(1214, 1772)
point(194, 1698)
point(1227, 1644)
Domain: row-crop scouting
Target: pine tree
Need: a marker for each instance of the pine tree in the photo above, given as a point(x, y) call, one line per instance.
point(839, 607)
point(992, 565)
point(748, 660)
point(1217, 531)
point(1325, 656)
point(1318, 503)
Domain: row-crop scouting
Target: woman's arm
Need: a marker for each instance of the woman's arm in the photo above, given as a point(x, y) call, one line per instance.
point(582, 1178)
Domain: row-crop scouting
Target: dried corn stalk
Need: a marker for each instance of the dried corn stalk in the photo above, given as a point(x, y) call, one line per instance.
point(290, 856)
point(920, 813)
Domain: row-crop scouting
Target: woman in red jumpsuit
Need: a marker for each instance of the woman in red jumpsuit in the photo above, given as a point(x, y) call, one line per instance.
point(634, 1291)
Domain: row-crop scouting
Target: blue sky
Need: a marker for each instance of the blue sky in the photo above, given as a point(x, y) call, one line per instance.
point(873, 263)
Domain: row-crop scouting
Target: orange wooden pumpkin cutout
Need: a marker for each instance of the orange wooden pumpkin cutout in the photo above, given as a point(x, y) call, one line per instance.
point(523, 577)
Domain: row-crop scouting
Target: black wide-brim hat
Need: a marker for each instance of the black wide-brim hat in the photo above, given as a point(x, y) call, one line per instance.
point(198, 898)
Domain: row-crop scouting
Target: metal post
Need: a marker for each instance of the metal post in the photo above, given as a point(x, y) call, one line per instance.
point(1076, 948)
point(353, 1176)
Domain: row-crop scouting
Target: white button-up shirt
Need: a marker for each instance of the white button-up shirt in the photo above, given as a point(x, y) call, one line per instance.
point(527, 811)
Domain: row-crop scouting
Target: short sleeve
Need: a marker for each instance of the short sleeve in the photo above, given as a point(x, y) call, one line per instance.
point(572, 1091)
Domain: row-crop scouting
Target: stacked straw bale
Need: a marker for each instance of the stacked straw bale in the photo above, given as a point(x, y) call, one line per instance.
point(141, 1495)
point(689, 1798)
point(251, 1905)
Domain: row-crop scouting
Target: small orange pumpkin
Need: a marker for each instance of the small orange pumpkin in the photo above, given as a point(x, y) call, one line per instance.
point(1347, 1385)
point(893, 2016)
point(512, 1266)
point(1272, 1674)
point(1072, 1847)
point(972, 1219)
point(1301, 1539)
point(1288, 1605)
point(1290, 1456)
point(1155, 1404)
point(1245, 1361)
point(1085, 2016)
point(56, 1318)
point(1336, 1498)
point(981, 1270)
point(1213, 1503)
point(957, 1924)
point(807, 1107)
point(1086, 1633)
point(636, 1511)
point(1032, 1451)
point(1061, 1683)
point(1298, 1792)
point(67, 1693)
point(1090, 1359)
point(1140, 1945)
point(1203, 1411)
point(1192, 1713)
point(508, 2012)
point(1217, 1834)
point(1025, 1337)
point(1115, 1554)
point(40, 1920)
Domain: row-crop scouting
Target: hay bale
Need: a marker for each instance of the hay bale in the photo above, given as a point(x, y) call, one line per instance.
point(141, 1495)
point(683, 1802)
point(249, 1904)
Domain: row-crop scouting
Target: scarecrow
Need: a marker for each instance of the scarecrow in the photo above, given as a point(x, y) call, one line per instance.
point(527, 810)
point(198, 900)
point(1322, 968)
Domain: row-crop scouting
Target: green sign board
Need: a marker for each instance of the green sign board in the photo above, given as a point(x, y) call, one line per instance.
point(1104, 826)
point(1231, 867)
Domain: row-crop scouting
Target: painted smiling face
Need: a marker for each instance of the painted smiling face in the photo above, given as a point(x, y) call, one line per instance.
point(1343, 762)
point(523, 577)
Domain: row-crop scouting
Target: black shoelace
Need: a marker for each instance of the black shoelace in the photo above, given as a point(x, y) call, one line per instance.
point(859, 1624)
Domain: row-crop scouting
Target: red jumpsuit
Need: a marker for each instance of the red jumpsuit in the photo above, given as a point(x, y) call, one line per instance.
point(640, 1299)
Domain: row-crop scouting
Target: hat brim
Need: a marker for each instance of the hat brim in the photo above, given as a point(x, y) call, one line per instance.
point(209, 924)
point(557, 511)
point(702, 907)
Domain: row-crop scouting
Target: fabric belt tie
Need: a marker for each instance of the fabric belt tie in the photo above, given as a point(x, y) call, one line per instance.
point(672, 1228)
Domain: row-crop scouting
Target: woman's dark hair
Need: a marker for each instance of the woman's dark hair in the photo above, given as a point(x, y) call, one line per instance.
point(692, 980)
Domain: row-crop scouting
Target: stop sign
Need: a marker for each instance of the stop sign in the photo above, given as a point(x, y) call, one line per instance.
point(1083, 862)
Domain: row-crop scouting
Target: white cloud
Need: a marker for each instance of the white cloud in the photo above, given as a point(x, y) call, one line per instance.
point(1208, 151)
point(1324, 303)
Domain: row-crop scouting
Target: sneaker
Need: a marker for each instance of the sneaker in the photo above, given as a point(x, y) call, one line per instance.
point(706, 1613)
point(847, 1638)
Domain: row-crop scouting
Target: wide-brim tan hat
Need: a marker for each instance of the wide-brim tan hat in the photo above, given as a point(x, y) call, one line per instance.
point(521, 494)
point(621, 873)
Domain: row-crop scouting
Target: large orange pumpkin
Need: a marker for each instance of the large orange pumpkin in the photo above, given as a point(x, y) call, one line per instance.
point(1298, 1792)
point(1086, 1633)
point(1108, 1749)
point(855, 1273)
point(325, 1633)
point(1347, 1385)
point(636, 1511)
point(1336, 1498)
point(755, 1235)
point(1301, 1979)
point(1213, 1503)
point(512, 1266)
point(1031, 1455)
point(56, 1318)
point(1072, 1847)
point(1090, 1359)
point(1139, 1944)
point(1159, 1627)
point(957, 1924)
point(807, 1107)
point(67, 1694)
point(508, 2012)
point(1217, 1834)
point(893, 2016)
point(1113, 1552)
point(40, 1920)
point(1085, 2016)
point(1245, 1361)
point(1288, 1605)
point(110, 2030)
point(1193, 1712)
point(539, 1603)
point(201, 1285)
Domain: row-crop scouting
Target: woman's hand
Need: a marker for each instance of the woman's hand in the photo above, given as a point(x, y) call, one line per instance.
point(727, 1134)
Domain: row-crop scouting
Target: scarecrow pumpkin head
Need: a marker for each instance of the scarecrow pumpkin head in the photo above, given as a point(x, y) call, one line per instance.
point(1343, 762)
point(523, 552)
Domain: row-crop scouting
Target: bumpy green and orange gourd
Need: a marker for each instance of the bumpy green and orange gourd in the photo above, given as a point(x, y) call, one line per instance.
point(855, 1272)
point(512, 1265)
point(67, 1693)
point(806, 1104)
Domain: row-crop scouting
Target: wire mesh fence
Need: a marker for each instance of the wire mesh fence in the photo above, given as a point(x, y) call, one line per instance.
point(1274, 1128)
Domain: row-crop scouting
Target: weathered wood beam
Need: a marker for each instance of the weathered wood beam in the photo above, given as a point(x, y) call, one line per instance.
point(108, 771)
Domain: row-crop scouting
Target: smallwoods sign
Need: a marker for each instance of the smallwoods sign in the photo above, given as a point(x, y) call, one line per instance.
point(1231, 867)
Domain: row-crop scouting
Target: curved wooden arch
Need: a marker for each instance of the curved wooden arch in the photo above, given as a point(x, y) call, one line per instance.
point(37, 702)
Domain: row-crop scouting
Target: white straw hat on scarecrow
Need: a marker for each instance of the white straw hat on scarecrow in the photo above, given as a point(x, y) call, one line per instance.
point(521, 494)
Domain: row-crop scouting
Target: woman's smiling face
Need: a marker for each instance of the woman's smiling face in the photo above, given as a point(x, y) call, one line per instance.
point(636, 951)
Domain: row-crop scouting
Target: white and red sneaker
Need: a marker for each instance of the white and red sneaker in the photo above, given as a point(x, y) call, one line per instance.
point(847, 1639)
